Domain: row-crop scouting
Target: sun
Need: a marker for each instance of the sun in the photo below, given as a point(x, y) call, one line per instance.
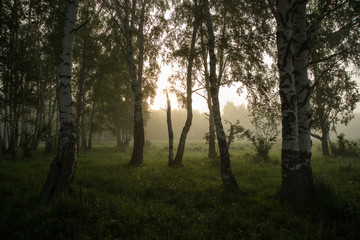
point(226, 94)
point(162, 84)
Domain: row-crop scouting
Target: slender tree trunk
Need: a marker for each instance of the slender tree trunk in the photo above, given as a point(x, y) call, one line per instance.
point(49, 142)
point(136, 77)
point(231, 135)
point(80, 95)
point(325, 142)
point(226, 173)
point(118, 138)
point(13, 86)
point(212, 144)
point(303, 92)
point(62, 168)
point(91, 128)
point(38, 125)
point(14, 135)
point(79, 106)
point(212, 135)
point(83, 145)
point(186, 128)
point(4, 142)
point(1, 139)
point(170, 131)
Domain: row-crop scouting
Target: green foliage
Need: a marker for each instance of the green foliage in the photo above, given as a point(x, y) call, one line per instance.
point(333, 60)
point(262, 144)
point(112, 200)
point(264, 110)
point(345, 147)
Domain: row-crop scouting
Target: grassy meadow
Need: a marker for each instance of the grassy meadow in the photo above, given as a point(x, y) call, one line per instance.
point(112, 200)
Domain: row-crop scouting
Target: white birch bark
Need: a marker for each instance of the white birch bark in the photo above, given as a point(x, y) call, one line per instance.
point(62, 168)
point(303, 92)
point(136, 76)
point(226, 173)
point(301, 52)
point(297, 181)
point(289, 114)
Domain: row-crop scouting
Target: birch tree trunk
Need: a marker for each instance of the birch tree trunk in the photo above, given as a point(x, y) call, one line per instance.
point(62, 168)
point(293, 171)
point(136, 77)
point(49, 146)
point(170, 131)
point(303, 92)
point(289, 114)
point(81, 90)
point(186, 128)
point(226, 173)
point(212, 144)
point(91, 125)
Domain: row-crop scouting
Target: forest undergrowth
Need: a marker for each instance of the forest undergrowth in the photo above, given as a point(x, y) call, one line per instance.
point(111, 200)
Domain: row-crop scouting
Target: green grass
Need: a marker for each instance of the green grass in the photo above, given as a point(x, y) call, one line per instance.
point(112, 200)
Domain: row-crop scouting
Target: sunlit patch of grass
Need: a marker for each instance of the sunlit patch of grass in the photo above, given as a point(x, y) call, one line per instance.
point(112, 200)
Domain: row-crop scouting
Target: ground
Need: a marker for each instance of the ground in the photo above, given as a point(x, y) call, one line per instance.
point(112, 200)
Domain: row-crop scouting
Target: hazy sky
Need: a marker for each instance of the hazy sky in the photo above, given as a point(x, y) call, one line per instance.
point(226, 94)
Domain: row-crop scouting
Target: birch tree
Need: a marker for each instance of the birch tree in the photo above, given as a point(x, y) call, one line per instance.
point(189, 91)
point(62, 168)
point(138, 31)
point(303, 93)
point(297, 183)
point(301, 52)
point(334, 101)
point(333, 39)
point(226, 173)
point(170, 130)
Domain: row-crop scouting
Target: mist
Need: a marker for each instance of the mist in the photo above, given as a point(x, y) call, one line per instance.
point(156, 128)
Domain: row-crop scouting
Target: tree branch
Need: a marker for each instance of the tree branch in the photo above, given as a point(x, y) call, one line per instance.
point(315, 136)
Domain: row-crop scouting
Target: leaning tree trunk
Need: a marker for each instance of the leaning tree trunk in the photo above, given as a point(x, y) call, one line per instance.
point(303, 92)
point(62, 168)
point(226, 173)
point(170, 131)
point(185, 131)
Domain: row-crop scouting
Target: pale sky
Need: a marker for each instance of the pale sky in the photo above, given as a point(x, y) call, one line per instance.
point(226, 94)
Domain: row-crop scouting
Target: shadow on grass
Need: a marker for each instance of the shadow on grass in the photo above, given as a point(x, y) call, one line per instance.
point(331, 215)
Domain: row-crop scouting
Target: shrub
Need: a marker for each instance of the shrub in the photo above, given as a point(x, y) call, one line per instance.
point(345, 147)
